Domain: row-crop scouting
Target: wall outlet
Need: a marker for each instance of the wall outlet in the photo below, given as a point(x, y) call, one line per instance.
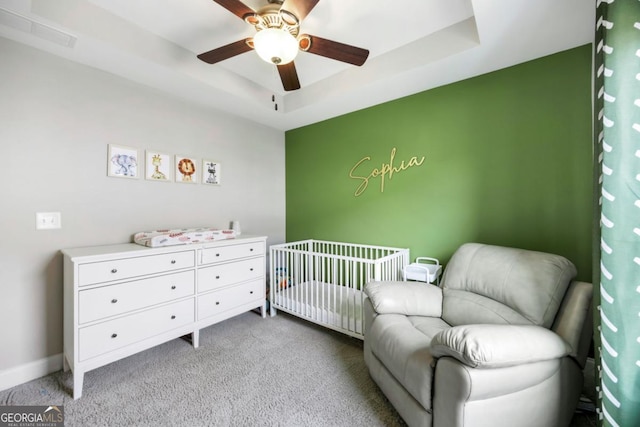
point(48, 220)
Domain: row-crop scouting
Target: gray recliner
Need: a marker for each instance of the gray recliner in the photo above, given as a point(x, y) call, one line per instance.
point(501, 342)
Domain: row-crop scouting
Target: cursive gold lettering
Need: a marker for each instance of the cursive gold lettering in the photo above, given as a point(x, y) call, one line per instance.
point(365, 180)
point(386, 171)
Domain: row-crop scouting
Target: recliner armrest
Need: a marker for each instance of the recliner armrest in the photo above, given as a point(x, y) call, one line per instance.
point(574, 321)
point(495, 346)
point(408, 298)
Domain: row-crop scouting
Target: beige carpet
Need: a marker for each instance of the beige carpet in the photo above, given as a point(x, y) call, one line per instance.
point(248, 371)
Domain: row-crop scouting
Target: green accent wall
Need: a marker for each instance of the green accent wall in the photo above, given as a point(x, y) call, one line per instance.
point(507, 161)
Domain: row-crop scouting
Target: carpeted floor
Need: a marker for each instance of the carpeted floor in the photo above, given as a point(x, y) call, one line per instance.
point(248, 371)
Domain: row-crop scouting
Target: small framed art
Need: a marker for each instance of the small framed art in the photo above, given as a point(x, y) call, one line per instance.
point(186, 170)
point(158, 166)
point(211, 172)
point(122, 162)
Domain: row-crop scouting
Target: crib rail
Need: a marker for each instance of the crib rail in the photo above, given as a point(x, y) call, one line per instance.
point(323, 281)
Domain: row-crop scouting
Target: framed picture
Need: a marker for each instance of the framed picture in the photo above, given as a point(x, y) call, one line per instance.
point(186, 170)
point(122, 162)
point(158, 166)
point(211, 172)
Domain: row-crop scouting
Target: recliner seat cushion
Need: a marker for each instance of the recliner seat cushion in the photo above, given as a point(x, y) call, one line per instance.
point(494, 284)
point(402, 343)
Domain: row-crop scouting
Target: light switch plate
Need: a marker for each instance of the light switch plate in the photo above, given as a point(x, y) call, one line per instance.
point(48, 220)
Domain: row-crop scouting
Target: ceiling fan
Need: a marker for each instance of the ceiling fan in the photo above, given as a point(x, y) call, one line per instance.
point(278, 39)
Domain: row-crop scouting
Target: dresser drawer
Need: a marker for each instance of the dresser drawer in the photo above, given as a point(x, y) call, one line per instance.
point(114, 334)
point(231, 252)
point(105, 271)
point(111, 300)
point(225, 299)
point(220, 275)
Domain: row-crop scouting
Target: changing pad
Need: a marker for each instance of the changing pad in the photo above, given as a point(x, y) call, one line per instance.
point(183, 236)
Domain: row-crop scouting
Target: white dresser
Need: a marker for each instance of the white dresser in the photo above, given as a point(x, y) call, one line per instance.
point(122, 299)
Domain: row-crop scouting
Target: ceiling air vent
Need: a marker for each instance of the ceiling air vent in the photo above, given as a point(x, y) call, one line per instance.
point(43, 31)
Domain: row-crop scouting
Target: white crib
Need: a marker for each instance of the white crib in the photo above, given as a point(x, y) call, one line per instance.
point(323, 282)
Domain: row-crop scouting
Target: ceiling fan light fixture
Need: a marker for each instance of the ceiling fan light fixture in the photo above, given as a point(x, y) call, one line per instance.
point(275, 46)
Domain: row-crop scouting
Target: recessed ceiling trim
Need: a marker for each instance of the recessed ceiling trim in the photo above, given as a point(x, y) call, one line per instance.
point(447, 42)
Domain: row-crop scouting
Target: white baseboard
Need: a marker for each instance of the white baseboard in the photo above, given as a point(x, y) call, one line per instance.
point(30, 371)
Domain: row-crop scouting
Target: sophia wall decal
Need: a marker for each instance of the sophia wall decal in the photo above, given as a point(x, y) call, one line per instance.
point(385, 172)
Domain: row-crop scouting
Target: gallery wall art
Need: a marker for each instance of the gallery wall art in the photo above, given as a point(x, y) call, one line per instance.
point(122, 162)
point(186, 170)
point(211, 172)
point(159, 166)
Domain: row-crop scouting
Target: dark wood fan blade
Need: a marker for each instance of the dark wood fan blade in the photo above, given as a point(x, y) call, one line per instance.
point(289, 76)
point(226, 52)
point(334, 50)
point(236, 7)
point(299, 8)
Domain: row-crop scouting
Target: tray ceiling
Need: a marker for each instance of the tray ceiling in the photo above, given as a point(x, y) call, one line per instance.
point(414, 46)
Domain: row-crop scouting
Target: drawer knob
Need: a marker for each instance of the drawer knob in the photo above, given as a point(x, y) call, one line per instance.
point(251, 250)
point(114, 335)
point(251, 269)
point(251, 292)
point(217, 302)
point(113, 301)
point(217, 254)
point(217, 277)
point(173, 261)
point(114, 270)
point(173, 317)
point(173, 286)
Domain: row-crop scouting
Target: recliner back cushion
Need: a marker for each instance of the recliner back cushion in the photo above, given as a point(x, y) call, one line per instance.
point(494, 284)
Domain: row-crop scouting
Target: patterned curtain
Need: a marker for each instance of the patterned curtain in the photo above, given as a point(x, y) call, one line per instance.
point(617, 167)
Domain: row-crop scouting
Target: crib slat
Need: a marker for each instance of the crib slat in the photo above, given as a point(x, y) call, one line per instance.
point(323, 281)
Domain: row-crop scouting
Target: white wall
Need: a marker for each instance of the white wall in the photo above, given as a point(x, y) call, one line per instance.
point(56, 119)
